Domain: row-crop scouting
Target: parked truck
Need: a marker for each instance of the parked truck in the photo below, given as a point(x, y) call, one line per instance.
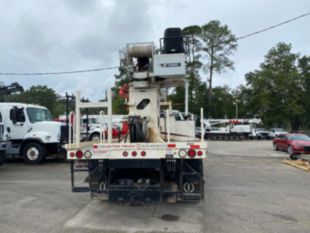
point(149, 164)
point(31, 133)
point(91, 125)
point(3, 142)
point(230, 129)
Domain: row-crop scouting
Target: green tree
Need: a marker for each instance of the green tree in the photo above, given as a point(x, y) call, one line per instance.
point(223, 100)
point(218, 43)
point(278, 88)
point(304, 70)
point(193, 65)
point(177, 98)
point(243, 95)
point(41, 95)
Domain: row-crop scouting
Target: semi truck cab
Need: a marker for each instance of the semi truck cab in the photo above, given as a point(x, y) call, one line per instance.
point(31, 132)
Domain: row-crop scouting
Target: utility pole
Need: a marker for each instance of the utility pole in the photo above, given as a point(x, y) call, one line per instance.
point(186, 97)
point(236, 103)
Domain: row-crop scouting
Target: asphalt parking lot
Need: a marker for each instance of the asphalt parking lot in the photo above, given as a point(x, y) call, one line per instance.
point(247, 189)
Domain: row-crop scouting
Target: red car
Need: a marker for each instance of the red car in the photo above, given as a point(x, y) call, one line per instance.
point(294, 143)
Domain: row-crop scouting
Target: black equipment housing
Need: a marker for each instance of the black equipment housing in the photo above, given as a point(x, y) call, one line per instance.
point(173, 41)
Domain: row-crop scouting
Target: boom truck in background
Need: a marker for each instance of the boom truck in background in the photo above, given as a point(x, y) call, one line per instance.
point(13, 88)
point(149, 164)
point(233, 129)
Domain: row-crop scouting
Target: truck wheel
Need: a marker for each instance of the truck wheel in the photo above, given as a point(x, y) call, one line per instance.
point(95, 137)
point(275, 147)
point(34, 153)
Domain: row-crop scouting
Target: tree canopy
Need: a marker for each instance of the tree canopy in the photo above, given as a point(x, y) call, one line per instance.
point(218, 43)
point(41, 95)
point(278, 89)
point(209, 47)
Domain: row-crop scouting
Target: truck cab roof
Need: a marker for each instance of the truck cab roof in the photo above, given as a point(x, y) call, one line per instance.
point(12, 104)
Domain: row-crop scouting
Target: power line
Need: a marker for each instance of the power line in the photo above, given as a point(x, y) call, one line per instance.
point(116, 67)
point(274, 26)
point(59, 73)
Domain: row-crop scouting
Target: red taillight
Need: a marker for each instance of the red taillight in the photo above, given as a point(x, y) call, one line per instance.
point(191, 153)
point(134, 153)
point(125, 153)
point(79, 154)
point(143, 153)
point(95, 146)
point(72, 154)
point(199, 153)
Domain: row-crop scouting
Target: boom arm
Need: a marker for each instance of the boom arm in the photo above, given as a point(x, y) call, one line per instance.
point(10, 89)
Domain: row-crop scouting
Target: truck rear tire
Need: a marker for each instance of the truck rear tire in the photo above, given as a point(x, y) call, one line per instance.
point(34, 153)
point(95, 137)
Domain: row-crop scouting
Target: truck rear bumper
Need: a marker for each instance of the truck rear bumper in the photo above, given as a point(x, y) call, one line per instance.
point(144, 181)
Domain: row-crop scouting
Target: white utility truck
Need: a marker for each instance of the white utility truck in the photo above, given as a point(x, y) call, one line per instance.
point(3, 142)
point(93, 124)
point(149, 164)
point(230, 129)
point(31, 132)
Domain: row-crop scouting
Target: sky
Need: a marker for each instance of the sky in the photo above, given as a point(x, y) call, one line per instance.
point(64, 35)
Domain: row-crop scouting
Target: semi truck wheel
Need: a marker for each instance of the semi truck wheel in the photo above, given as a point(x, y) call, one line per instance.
point(95, 137)
point(34, 153)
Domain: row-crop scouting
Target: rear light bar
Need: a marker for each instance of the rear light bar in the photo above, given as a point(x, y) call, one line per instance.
point(191, 152)
point(134, 153)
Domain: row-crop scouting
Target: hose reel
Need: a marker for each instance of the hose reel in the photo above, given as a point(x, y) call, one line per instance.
point(140, 50)
point(138, 129)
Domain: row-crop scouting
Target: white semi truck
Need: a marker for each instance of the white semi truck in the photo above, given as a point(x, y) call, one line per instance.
point(3, 142)
point(149, 164)
point(31, 133)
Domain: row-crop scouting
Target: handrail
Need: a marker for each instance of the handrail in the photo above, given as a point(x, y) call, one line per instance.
point(80, 105)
